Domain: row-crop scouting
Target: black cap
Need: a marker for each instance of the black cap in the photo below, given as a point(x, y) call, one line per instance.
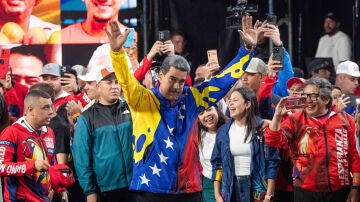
point(320, 63)
point(332, 16)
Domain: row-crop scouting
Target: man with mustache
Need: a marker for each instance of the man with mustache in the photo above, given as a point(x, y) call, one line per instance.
point(165, 162)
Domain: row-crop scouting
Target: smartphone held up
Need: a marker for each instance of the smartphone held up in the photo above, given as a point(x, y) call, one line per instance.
point(212, 56)
point(163, 35)
point(278, 55)
point(295, 102)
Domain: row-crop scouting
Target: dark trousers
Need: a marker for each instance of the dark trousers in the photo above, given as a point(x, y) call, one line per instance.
point(284, 196)
point(301, 195)
point(142, 196)
point(117, 195)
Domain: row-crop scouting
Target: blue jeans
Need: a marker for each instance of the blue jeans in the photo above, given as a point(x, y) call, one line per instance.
point(243, 190)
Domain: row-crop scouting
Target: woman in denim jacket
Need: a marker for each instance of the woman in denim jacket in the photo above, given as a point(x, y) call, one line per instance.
point(244, 167)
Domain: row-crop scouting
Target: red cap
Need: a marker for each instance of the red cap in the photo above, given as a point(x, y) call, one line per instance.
point(61, 176)
point(294, 80)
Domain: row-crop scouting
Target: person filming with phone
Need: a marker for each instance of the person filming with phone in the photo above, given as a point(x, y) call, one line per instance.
point(322, 146)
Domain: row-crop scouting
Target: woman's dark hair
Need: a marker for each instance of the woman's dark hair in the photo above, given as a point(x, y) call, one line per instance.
point(252, 124)
point(221, 121)
point(4, 114)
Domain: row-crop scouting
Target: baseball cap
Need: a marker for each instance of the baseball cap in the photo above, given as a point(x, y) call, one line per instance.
point(92, 75)
point(349, 68)
point(104, 73)
point(320, 63)
point(256, 65)
point(332, 16)
point(51, 69)
point(294, 80)
point(61, 176)
point(80, 70)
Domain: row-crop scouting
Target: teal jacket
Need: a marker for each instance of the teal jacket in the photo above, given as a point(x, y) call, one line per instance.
point(102, 148)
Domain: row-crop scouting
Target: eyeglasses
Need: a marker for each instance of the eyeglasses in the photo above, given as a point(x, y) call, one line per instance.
point(311, 96)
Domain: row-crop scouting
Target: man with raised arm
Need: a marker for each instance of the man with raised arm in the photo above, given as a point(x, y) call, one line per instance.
point(165, 156)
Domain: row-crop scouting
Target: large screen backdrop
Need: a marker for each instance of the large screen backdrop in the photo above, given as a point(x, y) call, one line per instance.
point(66, 32)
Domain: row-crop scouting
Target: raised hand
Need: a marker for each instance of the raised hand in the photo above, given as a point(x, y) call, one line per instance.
point(273, 66)
point(211, 68)
point(249, 34)
point(168, 48)
point(116, 38)
point(155, 49)
point(273, 33)
point(342, 102)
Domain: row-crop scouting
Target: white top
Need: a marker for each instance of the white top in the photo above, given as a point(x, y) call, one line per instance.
point(240, 150)
point(205, 151)
point(338, 47)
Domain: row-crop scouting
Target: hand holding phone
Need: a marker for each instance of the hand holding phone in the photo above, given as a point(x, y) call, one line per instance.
point(278, 54)
point(295, 102)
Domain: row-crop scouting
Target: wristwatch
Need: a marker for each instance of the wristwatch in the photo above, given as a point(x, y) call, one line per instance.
point(269, 197)
point(357, 187)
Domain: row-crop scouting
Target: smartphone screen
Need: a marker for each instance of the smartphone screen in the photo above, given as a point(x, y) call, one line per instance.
point(163, 35)
point(271, 19)
point(4, 62)
point(130, 40)
point(212, 55)
point(295, 102)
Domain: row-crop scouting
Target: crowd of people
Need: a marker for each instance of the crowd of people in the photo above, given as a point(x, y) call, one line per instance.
point(144, 131)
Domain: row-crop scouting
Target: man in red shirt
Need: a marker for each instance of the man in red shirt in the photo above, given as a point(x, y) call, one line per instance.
point(322, 145)
point(27, 150)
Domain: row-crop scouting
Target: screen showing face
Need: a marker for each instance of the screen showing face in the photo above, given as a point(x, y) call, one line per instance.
point(66, 32)
point(30, 21)
point(83, 22)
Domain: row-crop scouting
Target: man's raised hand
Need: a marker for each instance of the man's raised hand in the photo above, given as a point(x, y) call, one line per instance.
point(116, 38)
point(249, 34)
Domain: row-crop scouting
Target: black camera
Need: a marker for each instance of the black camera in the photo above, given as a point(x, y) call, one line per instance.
point(242, 8)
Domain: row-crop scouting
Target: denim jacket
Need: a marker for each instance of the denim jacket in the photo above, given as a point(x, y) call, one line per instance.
point(264, 163)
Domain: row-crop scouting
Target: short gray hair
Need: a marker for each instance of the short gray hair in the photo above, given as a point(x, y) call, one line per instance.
point(175, 61)
point(324, 86)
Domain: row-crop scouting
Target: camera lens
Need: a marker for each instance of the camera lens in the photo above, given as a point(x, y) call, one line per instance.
point(276, 50)
point(2, 61)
